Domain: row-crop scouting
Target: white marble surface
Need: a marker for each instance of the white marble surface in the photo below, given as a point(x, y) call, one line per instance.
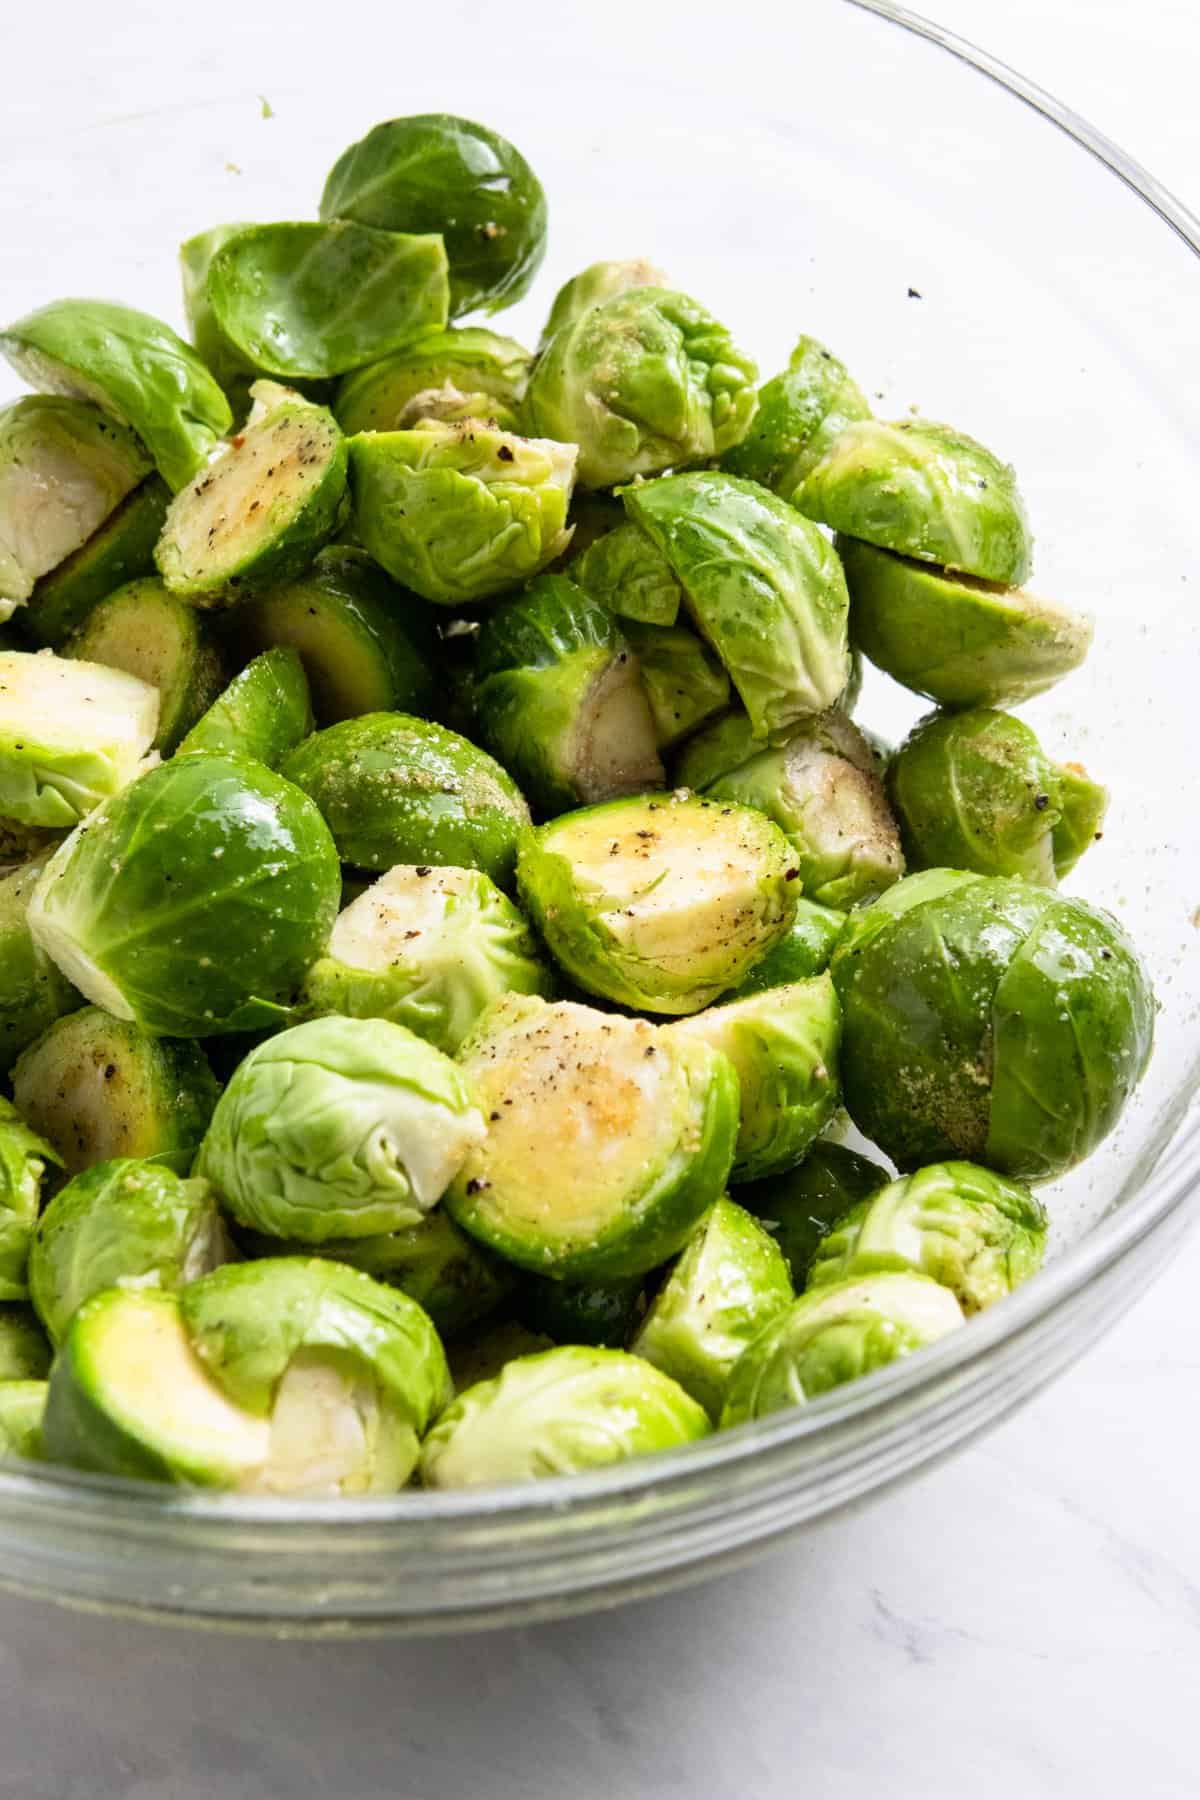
point(1024, 1622)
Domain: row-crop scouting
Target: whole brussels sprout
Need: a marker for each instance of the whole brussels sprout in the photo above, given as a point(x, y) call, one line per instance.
point(642, 382)
point(989, 1020)
point(803, 953)
point(926, 491)
point(33, 990)
point(975, 790)
point(800, 1207)
point(71, 735)
point(598, 282)
point(24, 1159)
point(800, 413)
point(465, 363)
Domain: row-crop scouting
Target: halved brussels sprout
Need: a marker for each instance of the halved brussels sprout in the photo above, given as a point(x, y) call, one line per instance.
point(555, 1414)
point(783, 1045)
point(560, 699)
point(233, 369)
point(643, 382)
point(484, 1353)
point(121, 1224)
point(22, 1407)
point(121, 550)
point(33, 990)
point(763, 585)
point(427, 948)
point(685, 682)
point(461, 512)
point(630, 575)
point(155, 636)
point(195, 901)
point(800, 1208)
point(639, 1127)
point(64, 468)
point(989, 1020)
point(975, 790)
point(24, 1160)
point(464, 363)
point(25, 1353)
point(728, 1283)
point(394, 789)
point(132, 366)
point(339, 1128)
point(71, 734)
point(258, 512)
point(833, 1335)
point(98, 1088)
point(263, 713)
point(435, 172)
point(658, 904)
point(799, 415)
point(926, 491)
point(598, 282)
point(961, 642)
point(803, 953)
point(582, 1312)
point(971, 1230)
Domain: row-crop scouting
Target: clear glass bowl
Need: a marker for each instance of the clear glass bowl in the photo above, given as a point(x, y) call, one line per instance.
point(967, 246)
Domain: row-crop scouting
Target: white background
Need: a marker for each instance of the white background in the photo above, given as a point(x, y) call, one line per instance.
point(1022, 1623)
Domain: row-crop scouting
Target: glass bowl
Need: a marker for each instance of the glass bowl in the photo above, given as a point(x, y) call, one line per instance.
point(969, 248)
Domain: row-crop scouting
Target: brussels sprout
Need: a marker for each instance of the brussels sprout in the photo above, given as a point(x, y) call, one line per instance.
point(134, 368)
point(724, 745)
point(555, 1414)
point(961, 642)
point(974, 1232)
point(435, 172)
point(24, 1159)
point(71, 734)
point(989, 1020)
point(800, 413)
point(461, 512)
point(121, 550)
point(33, 991)
point(25, 1352)
point(151, 634)
point(799, 1208)
point(482, 1355)
point(462, 364)
point(99, 1088)
point(261, 509)
point(263, 713)
point(975, 790)
point(763, 585)
point(64, 467)
point(22, 1406)
point(582, 1312)
point(195, 901)
point(803, 953)
point(729, 1281)
point(394, 789)
point(640, 1127)
point(121, 1224)
point(561, 701)
point(232, 368)
point(590, 517)
point(926, 491)
point(834, 1335)
point(821, 789)
point(630, 575)
point(427, 948)
point(598, 282)
point(658, 904)
point(339, 1128)
point(684, 682)
point(306, 301)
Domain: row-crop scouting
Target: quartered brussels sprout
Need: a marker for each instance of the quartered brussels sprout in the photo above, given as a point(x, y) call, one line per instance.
point(926, 491)
point(22, 1406)
point(606, 1141)
point(659, 904)
point(132, 366)
point(728, 1283)
point(960, 641)
point(259, 512)
point(555, 1414)
point(800, 414)
point(685, 682)
point(25, 1352)
point(120, 550)
point(429, 949)
point(582, 1312)
point(833, 1335)
point(434, 172)
point(803, 953)
point(339, 1128)
point(33, 990)
point(195, 901)
point(65, 466)
point(989, 1020)
point(462, 367)
point(971, 1230)
point(783, 1044)
point(643, 382)
point(71, 734)
point(395, 789)
point(98, 1087)
point(148, 632)
point(975, 790)
point(560, 699)
point(121, 1224)
point(630, 575)
point(763, 585)
point(25, 1158)
point(263, 713)
point(462, 512)
point(801, 1206)
point(598, 282)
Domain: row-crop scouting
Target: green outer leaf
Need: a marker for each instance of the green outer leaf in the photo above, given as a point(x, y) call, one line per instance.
point(800, 413)
point(684, 680)
point(25, 1352)
point(263, 713)
point(627, 571)
point(22, 1406)
point(151, 634)
point(231, 367)
point(33, 990)
point(803, 953)
point(801, 1206)
point(120, 551)
point(24, 1159)
point(464, 359)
